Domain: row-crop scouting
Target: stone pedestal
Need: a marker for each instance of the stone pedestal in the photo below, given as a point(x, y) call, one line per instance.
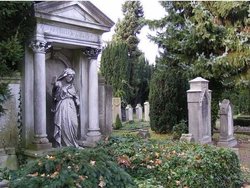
point(199, 110)
point(146, 111)
point(226, 125)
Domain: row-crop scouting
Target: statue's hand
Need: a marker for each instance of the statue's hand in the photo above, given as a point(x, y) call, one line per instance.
point(58, 84)
point(77, 101)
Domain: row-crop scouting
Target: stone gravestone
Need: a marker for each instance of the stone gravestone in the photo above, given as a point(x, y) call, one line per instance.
point(126, 110)
point(105, 106)
point(226, 125)
point(146, 111)
point(67, 35)
point(129, 113)
point(187, 138)
point(138, 110)
point(199, 110)
point(9, 122)
point(116, 108)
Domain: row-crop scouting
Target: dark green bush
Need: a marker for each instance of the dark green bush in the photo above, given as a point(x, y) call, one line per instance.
point(176, 164)
point(179, 129)
point(118, 123)
point(167, 98)
point(242, 120)
point(71, 167)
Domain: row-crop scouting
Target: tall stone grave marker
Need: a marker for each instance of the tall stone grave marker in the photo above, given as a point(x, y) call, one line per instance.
point(146, 111)
point(199, 110)
point(226, 125)
point(116, 108)
point(129, 113)
point(105, 106)
point(138, 110)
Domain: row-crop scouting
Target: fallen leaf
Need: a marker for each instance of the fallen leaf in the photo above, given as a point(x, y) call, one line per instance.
point(92, 163)
point(33, 175)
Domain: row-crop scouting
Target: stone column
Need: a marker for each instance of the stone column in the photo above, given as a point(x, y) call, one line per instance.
point(199, 110)
point(40, 138)
point(94, 133)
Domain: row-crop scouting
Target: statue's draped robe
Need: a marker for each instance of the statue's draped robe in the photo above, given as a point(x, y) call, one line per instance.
point(65, 119)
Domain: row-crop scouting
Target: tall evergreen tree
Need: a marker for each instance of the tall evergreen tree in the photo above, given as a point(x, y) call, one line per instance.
point(133, 87)
point(115, 68)
point(208, 39)
point(16, 23)
point(129, 27)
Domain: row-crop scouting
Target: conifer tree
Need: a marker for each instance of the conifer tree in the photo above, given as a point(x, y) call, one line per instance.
point(133, 63)
point(129, 27)
point(115, 68)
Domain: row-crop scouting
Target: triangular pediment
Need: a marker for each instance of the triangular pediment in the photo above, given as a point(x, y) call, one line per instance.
point(76, 13)
point(81, 11)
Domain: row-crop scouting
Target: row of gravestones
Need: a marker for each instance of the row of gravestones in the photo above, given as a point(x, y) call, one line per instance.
point(126, 114)
point(199, 116)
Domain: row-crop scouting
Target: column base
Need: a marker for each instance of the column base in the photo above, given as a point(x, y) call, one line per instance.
point(206, 140)
point(41, 146)
point(93, 136)
point(228, 143)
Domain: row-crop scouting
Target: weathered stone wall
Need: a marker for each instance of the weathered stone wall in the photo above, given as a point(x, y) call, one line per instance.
point(9, 120)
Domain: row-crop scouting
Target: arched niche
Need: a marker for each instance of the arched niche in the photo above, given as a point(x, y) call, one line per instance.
point(56, 62)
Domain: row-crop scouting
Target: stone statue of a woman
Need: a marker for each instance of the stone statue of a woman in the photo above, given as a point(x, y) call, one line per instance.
point(66, 102)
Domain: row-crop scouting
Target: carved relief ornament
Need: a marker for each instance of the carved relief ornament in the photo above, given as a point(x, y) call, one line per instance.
point(39, 46)
point(91, 53)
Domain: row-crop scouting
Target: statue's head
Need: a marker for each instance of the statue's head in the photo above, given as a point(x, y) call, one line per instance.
point(68, 74)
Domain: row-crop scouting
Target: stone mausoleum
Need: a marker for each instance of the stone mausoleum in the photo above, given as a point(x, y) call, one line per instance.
point(66, 34)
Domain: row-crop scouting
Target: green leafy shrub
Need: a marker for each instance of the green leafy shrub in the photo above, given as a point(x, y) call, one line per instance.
point(179, 129)
point(176, 164)
point(71, 167)
point(118, 123)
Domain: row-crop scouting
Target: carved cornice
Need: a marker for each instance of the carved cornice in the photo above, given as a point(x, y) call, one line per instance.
point(91, 53)
point(39, 46)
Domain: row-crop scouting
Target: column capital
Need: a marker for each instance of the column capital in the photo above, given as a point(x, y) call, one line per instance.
point(91, 53)
point(39, 46)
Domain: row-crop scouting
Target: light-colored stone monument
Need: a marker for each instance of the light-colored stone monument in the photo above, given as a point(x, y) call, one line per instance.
point(199, 110)
point(105, 106)
point(126, 111)
point(129, 113)
point(146, 111)
point(67, 35)
point(138, 110)
point(226, 125)
point(116, 108)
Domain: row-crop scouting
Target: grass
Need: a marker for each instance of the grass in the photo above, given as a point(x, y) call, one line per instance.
point(133, 128)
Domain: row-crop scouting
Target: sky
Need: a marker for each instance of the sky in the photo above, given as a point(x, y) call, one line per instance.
point(152, 10)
